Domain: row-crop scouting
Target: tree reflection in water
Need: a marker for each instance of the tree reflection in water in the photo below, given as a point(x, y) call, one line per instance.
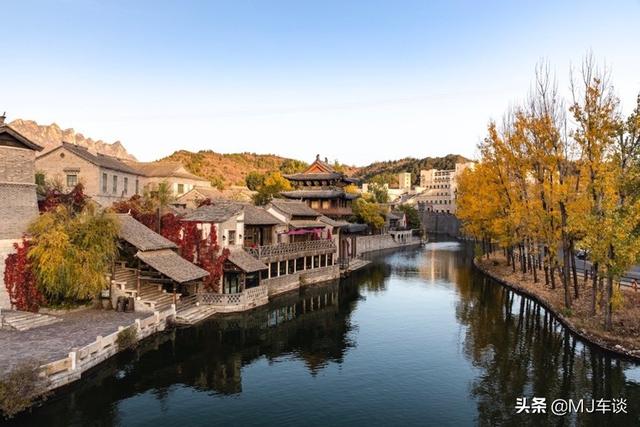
point(507, 347)
point(523, 351)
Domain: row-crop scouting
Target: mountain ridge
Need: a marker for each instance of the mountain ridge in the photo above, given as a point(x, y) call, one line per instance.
point(227, 169)
point(51, 136)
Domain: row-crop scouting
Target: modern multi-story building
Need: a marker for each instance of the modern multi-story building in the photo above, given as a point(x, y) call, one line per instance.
point(440, 188)
point(404, 181)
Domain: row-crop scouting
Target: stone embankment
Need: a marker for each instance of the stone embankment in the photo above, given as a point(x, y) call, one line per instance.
point(586, 329)
point(366, 244)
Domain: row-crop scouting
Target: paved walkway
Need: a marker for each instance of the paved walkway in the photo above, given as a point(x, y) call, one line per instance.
point(53, 342)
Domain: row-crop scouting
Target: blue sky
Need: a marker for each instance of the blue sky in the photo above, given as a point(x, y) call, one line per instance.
point(353, 81)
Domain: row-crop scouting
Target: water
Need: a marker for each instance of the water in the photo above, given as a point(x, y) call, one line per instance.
point(419, 338)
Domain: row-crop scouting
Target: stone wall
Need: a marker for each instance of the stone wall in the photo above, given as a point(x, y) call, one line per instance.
point(6, 248)
point(17, 165)
point(440, 223)
point(289, 282)
point(382, 242)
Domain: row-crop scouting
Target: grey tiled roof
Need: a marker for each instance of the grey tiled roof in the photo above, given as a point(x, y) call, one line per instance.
point(101, 160)
point(313, 176)
point(318, 194)
point(254, 215)
point(333, 222)
point(246, 262)
point(299, 223)
point(172, 265)
point(294, 208)
point(219, 211)
point(164, 169)
point(140, 236)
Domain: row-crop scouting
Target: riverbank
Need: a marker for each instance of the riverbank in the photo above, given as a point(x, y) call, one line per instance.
point(623, 339)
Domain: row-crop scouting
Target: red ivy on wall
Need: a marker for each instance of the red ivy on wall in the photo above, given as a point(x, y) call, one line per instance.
point(204, 252)
point(210, 259)
point(20, 281)
point(75, 199)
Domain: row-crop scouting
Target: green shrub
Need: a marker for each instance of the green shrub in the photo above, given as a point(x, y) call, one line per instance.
point(127, 338)
point(21, 387)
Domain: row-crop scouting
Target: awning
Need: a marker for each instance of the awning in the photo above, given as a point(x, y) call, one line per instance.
point(172, 265)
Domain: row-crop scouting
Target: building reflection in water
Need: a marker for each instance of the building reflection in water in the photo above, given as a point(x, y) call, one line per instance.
point(512, 345)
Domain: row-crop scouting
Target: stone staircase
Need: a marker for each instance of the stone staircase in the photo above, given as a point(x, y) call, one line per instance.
point(151, 296)
point(189, 312)
point(24, 320)
point(194, 314)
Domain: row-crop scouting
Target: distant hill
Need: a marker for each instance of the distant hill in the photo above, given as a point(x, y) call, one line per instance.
point(224, 170)
point(51, 136)
point(387, 171)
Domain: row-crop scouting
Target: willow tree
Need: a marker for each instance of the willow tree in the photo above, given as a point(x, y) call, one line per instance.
point(71, 253)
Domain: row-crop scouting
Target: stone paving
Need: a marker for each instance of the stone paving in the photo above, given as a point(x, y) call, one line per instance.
point(53, 342)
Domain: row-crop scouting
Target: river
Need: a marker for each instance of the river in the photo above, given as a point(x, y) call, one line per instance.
point(417, 338)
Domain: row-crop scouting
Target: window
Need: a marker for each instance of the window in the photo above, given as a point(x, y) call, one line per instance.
point(114, 189)
point(291, 264)
point(316, 261)
point(125, 184)
point(309, 259)
point(232, 237)
point(283, 268)
point(104, 182)
point(231, 283)
point(72, 180)
point(315, 204)
point(274, 269)
point(299, 264)
point(137, 186)
point(323, 260)
point(180, 188)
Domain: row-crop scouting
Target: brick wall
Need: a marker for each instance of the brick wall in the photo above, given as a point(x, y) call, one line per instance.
point(17, 165)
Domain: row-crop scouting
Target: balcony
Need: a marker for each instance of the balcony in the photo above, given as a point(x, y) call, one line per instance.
point(282, 251)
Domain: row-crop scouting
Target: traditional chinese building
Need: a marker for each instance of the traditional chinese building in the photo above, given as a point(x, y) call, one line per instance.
point(322, 188)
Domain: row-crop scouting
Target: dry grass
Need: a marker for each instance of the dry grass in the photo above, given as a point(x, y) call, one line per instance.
point(626, 320)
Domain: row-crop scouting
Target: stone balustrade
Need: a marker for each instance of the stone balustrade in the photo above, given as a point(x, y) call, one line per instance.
point(249, 298)
point(70, 368)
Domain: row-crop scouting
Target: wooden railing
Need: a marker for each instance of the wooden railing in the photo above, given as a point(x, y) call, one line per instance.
point(299, 248)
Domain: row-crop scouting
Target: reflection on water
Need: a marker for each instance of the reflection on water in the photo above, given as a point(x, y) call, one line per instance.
point(418, 338)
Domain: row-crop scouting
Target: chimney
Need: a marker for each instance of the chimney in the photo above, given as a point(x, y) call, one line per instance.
point(317, 156)
point(2, 117)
